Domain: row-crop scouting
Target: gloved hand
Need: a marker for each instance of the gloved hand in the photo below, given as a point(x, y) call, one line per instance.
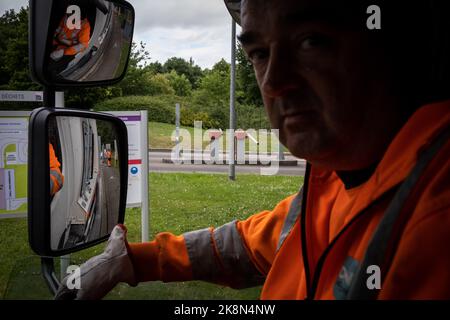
point(102, 273)
point(57, 54)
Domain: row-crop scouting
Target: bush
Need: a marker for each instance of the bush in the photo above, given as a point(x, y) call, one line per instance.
point(180, 84)
point(158, 84)
point(188, 117)
point(160, 108)
point(251, 117)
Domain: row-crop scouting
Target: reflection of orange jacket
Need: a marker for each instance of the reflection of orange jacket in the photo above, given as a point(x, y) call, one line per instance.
point(56, 177)
point(72, 41)
point(338, 226)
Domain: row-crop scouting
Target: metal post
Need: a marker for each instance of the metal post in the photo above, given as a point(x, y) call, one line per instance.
point(280, 151)
point(59, 100)
point(48, 272)
point(145, 173)
point(231, 151)
point(49, 98)
point(177, 130)
point(64, 265)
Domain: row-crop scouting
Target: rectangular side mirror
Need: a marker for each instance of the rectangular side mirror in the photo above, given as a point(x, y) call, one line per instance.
point(78, 164)
point(80, 42)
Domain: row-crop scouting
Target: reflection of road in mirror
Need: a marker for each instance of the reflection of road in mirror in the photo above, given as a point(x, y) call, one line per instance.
point(111, 183)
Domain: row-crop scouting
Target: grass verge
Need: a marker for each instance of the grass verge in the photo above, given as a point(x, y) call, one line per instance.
point(178, 202)
point(160, 138)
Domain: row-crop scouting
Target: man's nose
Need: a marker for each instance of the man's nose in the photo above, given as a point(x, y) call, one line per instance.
point(279, 77)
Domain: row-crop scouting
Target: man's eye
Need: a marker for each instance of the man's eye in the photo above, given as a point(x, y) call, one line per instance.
point(314, 42)
point(257, 56)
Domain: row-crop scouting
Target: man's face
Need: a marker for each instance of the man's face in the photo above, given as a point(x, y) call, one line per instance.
point(322, 82)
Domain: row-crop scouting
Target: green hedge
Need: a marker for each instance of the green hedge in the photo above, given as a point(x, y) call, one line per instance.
point(160, 108)
point(188, 117)
point(251, 117)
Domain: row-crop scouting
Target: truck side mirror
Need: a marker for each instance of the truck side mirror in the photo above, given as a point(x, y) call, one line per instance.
point(81, 42)
point(77, 184)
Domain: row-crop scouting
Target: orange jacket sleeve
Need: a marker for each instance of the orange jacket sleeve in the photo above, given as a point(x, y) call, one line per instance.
point(215, 255)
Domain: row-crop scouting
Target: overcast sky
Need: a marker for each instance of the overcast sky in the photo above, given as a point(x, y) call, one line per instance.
point(176, 28)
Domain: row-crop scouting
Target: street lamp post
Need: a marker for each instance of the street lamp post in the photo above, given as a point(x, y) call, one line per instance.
point(231, 151)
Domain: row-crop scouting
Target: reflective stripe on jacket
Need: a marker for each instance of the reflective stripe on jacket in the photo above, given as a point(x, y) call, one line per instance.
point(311, 245)
point(72, 41)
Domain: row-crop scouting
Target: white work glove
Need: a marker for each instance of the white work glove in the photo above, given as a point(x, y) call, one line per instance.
point(100, 274)
point(57, 54)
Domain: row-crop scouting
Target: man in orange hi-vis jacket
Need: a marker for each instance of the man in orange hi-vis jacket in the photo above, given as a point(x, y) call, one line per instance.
point(367, 103)
point(68, 40)
point(108, 157)
point(56, 177)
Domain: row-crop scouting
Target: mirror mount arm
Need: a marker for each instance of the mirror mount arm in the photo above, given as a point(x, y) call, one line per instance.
point(48, 271)
point(47, 264)
point(49, 97)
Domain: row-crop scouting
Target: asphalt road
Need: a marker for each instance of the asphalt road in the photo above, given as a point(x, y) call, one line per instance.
point(111, 184)
point(107, 202)
point(107, 65)
point(156, 165)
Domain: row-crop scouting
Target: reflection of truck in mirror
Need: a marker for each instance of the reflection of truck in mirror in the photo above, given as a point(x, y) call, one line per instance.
point(81, 210)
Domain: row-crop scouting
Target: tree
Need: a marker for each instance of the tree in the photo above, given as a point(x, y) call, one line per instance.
point(14, 63)
point(222, 67)
point(213, 94)
point(134, 81)
point(179, 83)
point(139, 55)
point(246, 80)
point(88, 97)
point(158, 84)
point(182, 67)
point(154, 67)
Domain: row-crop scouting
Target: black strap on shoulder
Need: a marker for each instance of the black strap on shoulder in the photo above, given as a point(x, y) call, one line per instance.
point(378, 247)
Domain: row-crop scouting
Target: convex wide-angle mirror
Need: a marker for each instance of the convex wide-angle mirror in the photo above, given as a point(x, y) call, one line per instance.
point(80, 42)
point(78, 177)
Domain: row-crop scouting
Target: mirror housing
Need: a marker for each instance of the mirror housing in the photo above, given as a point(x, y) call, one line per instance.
point(79, 43)
point(48, 228)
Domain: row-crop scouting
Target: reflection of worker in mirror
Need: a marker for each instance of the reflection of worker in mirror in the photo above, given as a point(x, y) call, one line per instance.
point(108, 156)
point(71, 37)
point(56, 177)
